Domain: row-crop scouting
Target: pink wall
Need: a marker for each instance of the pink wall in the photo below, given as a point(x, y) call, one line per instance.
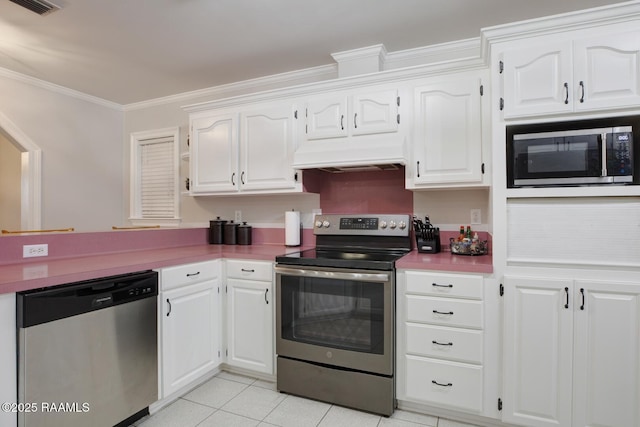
point(362, 192)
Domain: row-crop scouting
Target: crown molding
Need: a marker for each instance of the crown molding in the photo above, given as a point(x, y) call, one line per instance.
point(323, 72)
point(449, 51)
point(23, 78)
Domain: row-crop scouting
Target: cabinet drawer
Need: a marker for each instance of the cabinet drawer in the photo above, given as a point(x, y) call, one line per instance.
point(186, 274)
point(444, 311)
point(250, 270)
point(462, 345)
point(444, 285)
point(444, 383)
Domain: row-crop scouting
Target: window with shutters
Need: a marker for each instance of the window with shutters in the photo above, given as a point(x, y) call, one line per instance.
point(154, 177)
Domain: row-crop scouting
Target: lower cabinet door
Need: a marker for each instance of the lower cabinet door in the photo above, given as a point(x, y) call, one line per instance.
point(189, 334)
point(250, 325)
point(440, 382)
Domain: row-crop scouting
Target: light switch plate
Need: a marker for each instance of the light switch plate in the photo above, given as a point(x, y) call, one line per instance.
point(476, 216)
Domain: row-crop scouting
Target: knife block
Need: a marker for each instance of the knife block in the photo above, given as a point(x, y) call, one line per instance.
point(429, 246)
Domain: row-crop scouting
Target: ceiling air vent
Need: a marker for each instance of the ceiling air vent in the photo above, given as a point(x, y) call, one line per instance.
point(41, 7)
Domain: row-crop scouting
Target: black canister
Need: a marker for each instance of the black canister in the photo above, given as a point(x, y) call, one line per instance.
point(244, 234)
point(216, 231)
point(230, 233)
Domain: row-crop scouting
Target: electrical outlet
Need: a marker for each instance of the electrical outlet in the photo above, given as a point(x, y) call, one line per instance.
point(30, 251)
point(238, 216)
point(476, 216)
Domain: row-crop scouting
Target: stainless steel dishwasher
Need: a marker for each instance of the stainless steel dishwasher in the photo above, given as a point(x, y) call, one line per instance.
point(87, 352)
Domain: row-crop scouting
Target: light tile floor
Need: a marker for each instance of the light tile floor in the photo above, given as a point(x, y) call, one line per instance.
point(230, 400)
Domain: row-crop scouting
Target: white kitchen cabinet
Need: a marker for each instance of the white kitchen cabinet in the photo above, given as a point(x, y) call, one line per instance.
point(571, 75)
point(361, 113)
point(447, 131)
point(250, 315)
point(8, 352)
point(571, 352)
point(440, 340)
point(248, 150)
point(190, 324)
point(213, 154)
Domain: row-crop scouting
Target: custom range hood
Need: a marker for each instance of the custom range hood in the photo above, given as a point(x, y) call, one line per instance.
point(354, 153)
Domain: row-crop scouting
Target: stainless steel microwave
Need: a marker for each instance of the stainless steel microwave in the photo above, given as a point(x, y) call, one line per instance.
point(575, 157)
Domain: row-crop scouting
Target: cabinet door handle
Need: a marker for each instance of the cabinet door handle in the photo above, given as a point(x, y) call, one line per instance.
point(242, 177)
point(566, 93)
point(566, 291)
point(169, 312)
point(441, 343)
point(440, 384)
point(450, 313)
point(246, 270)
point(418, 168)
point(355, 121)
point(233, 175)
point(266, 291)
point(582, 292)
point(582, 91)
point(442, 286)
point(193, 274)
point(342, 122)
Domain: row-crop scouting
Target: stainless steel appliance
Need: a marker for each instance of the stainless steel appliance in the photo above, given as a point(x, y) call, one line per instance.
point(572, 154)
point(335, 312)
point(88, 352)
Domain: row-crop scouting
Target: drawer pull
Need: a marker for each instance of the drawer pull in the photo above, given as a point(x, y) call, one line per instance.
point(441, 343)
point(441, 385)
point(247, 270)
point(450, 313)
point(442, 286)
point(169, 303)
point(193, 274)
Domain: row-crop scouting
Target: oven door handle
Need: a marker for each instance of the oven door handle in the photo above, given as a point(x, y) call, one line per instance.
point(362, 277)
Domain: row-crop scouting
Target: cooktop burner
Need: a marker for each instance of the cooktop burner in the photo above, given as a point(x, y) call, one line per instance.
point(371, 242)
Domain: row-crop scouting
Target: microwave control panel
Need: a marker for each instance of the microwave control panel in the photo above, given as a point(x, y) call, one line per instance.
point(619, 154)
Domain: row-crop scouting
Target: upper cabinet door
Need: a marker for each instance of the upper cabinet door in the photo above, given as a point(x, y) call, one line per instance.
point(607, 71)
point(327, 117)
point(375, 112)
point(214, 154)
point(537, 80)
point(267, 145)
point(448, 132)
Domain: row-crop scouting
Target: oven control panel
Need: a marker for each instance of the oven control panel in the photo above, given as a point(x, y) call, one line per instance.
point(368, 224)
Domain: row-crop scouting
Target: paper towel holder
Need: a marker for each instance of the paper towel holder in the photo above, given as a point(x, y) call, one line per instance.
point(292, 228)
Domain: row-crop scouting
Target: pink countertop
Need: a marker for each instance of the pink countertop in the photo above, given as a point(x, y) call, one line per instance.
point(25, 276)
point(31, 275)
point(445, 261)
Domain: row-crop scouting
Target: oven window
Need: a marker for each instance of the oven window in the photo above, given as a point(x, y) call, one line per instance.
point(334, 313)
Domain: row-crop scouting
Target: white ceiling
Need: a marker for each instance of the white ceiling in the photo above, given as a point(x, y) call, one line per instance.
point(127, 51)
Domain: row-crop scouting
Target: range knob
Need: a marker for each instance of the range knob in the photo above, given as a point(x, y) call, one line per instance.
point(383, 224)
point(392, 224)
point(402, 225)
point(318, 224)
point(326, 224)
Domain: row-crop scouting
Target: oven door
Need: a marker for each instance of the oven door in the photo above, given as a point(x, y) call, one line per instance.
point(337, 317)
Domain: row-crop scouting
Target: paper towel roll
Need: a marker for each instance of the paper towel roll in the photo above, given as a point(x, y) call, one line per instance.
point(292, 228)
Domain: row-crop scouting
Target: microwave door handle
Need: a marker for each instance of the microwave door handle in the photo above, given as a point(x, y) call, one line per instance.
point(603, 154)
point(362, 277)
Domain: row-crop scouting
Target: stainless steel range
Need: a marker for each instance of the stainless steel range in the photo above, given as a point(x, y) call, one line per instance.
point(335, 311)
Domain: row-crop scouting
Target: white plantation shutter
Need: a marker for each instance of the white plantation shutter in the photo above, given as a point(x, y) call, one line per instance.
point(154, 192)
point(157, 180)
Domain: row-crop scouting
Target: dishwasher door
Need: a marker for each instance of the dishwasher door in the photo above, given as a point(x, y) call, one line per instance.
point(97, 368)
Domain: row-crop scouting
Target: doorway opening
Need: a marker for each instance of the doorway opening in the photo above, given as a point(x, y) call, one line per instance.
point(30, 177)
